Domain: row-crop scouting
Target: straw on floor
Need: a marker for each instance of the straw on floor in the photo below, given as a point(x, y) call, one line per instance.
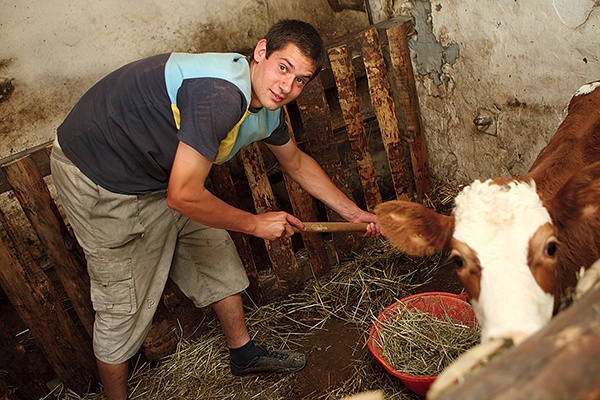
point(354, 292)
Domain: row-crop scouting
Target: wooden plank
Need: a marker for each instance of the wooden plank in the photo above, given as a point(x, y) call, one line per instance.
point(385, 111)
point(18, 370)
point(406, 93)
point(5, 393)
point(341, 67)
point(559, 362)
point(31, 191)
point(40, 154)
point(319, 133)
point(313, 242)
point(283, 261)
point(31, 293)
point(303, 206)
point(224, 188)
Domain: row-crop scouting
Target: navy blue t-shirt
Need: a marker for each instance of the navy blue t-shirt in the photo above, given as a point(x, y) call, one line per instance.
point(124, 131)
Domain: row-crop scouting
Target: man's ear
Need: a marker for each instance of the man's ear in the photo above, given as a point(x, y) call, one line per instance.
point(260, 50)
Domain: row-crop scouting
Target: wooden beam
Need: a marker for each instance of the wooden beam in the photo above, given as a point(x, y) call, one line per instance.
point(40, 155)
point(385, 110)
point(60, 246)
point(224, 188)
point(283, 261)
point(31, 293)
point(406, 93)
point(303, 207)
point(341, 66)
point(319, 134)
point(19, 371)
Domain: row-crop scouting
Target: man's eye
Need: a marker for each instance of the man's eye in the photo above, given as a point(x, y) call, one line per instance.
point(300, 81)
point(282, 68)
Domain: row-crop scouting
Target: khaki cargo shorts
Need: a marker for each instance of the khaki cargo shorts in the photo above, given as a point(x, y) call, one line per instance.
point(132, 245)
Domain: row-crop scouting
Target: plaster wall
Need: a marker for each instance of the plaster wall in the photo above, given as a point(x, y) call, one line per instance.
point(51, 52)
point(512, 63)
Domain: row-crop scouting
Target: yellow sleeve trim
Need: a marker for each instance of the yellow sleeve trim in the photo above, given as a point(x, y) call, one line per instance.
point(176, 116)
point(226, 146)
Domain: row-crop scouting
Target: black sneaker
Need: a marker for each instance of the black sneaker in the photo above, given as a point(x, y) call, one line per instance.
point(275, 361)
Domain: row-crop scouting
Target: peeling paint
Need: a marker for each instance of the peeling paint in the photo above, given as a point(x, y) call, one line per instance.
point(505, 94)
point(431, 54)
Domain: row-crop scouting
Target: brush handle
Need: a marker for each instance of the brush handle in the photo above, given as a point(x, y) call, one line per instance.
point(334, 227)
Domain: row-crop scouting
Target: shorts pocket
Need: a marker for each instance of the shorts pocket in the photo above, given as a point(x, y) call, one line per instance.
point(112, 287)
point(114, 219)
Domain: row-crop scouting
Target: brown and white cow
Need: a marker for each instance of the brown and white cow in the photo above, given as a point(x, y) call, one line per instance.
point(518, 244)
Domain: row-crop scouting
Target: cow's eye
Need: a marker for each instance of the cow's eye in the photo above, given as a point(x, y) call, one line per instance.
point(550, 249)
point(458, 261)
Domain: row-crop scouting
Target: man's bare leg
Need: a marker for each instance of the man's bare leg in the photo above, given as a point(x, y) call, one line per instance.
point(114, 379)
point(230, 312)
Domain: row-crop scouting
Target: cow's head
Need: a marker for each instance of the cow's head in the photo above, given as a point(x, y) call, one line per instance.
point(503, 244)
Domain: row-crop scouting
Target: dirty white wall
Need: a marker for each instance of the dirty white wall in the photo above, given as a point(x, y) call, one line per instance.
point(52, 51)
point(514, 62)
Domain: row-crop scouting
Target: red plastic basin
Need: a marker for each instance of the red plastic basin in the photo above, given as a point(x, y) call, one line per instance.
point(438, 304)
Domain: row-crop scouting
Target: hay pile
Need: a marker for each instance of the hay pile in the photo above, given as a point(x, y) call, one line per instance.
point(354, 292)
point(415, 342)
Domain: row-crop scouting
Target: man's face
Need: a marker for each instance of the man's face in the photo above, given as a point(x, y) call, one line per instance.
point(279, 79)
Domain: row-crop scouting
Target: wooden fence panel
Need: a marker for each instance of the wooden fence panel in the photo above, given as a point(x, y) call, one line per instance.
point(406, 93)
point(284, 264)
point(303, 206)
point(31, 191)
point(385, 109)
point(18, 371)
point(318, 130)
point(224, 188)
point(34, 298)
point(341, 67)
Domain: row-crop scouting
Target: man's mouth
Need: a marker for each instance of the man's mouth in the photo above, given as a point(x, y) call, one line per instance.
point(277, 98)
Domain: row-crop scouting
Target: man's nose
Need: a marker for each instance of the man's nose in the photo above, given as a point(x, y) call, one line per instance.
point(286, 84)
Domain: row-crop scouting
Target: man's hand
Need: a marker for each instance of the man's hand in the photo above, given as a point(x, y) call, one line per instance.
point(372, 229)
point(276, 224)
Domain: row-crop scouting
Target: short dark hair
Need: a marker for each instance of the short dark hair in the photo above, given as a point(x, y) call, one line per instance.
point(303, 35)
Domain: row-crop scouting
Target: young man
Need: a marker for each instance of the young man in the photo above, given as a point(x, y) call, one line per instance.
point(130, 163)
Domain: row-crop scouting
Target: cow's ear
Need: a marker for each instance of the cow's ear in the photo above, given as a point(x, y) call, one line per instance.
point(413, 228)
